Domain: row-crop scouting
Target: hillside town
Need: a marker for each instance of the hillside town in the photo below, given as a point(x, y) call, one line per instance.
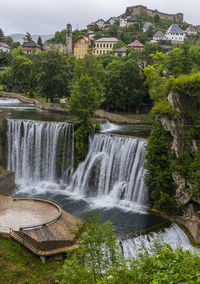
point(96, 42)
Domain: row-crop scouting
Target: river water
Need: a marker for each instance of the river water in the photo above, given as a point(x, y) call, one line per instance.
point(110, 180)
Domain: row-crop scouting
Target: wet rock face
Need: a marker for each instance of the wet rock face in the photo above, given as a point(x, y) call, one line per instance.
point(178, 129)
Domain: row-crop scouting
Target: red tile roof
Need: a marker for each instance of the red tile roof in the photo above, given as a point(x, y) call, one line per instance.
point(4, 45)
point(86, 39)
point(91, 24)
point(106, 39)
point(136, 43)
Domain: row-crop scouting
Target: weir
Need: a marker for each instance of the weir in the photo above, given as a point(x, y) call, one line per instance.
point(39, 151)
point(113, 168)
point(42, 156)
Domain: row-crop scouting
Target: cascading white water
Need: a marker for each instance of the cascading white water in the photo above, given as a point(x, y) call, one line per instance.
point(6, 101)
point(112, 169)
point(39, 151)
point(173, 236)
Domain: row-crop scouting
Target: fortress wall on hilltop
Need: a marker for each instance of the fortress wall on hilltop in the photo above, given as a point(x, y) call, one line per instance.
point(144, 11)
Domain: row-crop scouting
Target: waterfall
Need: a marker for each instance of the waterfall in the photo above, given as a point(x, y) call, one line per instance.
point(113, 169)
point(39, 151)
point(173, 236)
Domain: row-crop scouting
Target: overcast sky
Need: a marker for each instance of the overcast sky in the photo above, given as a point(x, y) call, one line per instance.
point(49, 16)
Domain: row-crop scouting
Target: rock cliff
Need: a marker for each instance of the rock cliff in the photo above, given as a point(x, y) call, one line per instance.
point(186, 105)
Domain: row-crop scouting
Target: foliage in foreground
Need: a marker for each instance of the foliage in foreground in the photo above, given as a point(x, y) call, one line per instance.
point(17, 265)
point(99, 259)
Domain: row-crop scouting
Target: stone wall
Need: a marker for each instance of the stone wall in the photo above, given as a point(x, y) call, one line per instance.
point(144, 11)
point(54, 46)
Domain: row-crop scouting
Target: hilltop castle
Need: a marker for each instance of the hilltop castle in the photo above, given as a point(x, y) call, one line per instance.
point(140, 10)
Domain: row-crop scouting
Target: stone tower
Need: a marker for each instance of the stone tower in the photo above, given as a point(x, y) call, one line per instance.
point(69, 39)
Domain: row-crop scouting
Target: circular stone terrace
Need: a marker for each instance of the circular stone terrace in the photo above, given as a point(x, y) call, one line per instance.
point(18, 213)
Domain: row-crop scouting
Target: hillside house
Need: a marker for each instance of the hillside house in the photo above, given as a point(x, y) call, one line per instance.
point(132, 21)
point(112, 21)
point(137, 45)
point(104, 45)
point(191, 30)
point(4, 47)
point(159, 35)
point(175, 34)
point(82, 47)
point(146, 26)
point(120, 51)
point(30, 47)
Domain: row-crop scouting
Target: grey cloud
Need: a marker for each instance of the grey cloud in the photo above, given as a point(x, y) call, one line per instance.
point(48, 16)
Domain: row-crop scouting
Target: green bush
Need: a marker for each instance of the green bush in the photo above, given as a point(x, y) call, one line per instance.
point(159, 165)
point(164, 108)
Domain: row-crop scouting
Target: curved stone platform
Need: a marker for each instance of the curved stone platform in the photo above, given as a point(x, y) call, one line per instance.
point(39, 225)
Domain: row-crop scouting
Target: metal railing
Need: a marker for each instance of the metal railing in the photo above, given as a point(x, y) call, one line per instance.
point(40, 199)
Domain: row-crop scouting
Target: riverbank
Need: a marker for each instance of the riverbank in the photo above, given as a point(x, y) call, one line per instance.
point(99, 117)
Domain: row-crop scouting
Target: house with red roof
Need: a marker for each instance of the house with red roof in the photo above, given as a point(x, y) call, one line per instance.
point(4, 47)
point(137, 45)
point(82, 47)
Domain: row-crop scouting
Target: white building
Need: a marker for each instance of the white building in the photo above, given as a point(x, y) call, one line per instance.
point(158, 36)
point(175, 34)
point(112, 21)
point(123, 22)
point(104, 45)
point(101, 24)
point(4, 47)
point(191, 30)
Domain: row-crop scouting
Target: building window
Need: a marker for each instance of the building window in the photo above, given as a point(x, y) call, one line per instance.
point(104, 45)
point(97, 51)
point(100, 44)
point(111, 45)
point(97, 45)
point(100, 51)
point(107, 45)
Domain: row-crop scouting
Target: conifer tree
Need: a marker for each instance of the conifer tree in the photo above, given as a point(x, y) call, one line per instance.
point(39, 42)
point(2, 36)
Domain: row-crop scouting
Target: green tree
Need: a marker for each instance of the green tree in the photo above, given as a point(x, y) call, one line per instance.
point(2, 36)
point(22, 69)
point(5, 58)
point(90, 66)
point(39, 42)
point(16, 44)
point(124, 85)
point(156, 19)
point(9, 41)
point(27, 37)
point(53, 74)
point(98, 254)
point(85, 98)
point(159, 167)
point(84, 101)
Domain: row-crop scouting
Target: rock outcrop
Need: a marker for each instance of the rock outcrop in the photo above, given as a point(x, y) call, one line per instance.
point(184, 104)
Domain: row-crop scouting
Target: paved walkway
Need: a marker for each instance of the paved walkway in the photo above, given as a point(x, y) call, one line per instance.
point(19, 213)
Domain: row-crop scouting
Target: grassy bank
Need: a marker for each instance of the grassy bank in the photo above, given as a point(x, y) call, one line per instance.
point(17, 265)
